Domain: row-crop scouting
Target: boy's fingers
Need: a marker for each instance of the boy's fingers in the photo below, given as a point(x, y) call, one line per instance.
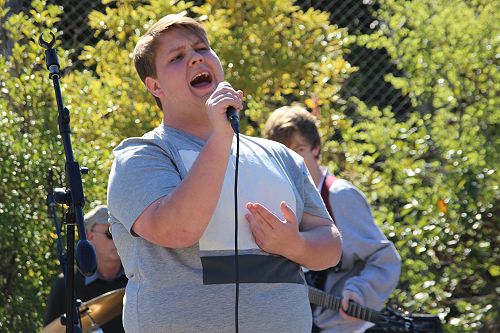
point(288, 213)
point(264, 215)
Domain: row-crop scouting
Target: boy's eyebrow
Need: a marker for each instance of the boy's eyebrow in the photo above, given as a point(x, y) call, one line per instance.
point(180, 48)
point(176, 49)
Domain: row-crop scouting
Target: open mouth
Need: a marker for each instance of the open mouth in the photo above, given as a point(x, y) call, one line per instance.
point(201, 79)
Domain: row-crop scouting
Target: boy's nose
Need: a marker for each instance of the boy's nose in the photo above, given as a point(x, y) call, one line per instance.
point(196, 57)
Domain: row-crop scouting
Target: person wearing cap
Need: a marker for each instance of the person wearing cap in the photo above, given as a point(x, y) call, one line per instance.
point(109, 275)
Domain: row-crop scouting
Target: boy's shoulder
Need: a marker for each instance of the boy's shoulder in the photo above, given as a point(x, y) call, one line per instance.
point(280, 152)
point(160, 138)
point(273, 146)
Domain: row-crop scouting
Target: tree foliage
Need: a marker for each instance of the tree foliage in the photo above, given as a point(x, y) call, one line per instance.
point(433, 178)
point(274, 59)
point(28, 147)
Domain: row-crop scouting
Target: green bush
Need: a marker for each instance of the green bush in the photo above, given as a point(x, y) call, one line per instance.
point(28, 147)
point(433, 177)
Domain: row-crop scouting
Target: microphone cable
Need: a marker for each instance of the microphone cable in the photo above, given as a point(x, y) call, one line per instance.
point(233, 118)
point(236, 259)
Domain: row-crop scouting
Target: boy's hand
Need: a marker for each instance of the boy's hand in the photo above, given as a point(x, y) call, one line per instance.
point(272, 234)
point(348, 295)
point(216, 105)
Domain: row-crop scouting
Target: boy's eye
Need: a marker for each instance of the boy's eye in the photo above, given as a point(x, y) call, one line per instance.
point(301, 150)
point(177, 57)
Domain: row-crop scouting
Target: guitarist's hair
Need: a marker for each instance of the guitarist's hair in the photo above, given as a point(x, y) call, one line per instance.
point(286, 121)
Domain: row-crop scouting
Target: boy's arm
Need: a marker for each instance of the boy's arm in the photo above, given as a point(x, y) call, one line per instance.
point(367, 243)
point(179, 219)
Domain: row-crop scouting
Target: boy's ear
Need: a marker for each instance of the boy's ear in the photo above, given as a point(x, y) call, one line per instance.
point(315, 151)
point(153, 86)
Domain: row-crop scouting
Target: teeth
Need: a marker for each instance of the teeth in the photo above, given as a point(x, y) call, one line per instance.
point(201, 77)
point(204, 74)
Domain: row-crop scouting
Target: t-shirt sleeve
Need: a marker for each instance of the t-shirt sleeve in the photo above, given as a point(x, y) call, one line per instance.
point(313, 203)
point(142, 172)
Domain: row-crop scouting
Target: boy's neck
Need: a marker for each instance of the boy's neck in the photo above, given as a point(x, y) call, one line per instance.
point(199, 127)
point(316, 173)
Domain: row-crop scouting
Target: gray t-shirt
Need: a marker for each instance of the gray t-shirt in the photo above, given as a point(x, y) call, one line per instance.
point(192, 289)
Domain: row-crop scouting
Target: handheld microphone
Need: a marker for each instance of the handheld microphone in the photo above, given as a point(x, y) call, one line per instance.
point(231, 113)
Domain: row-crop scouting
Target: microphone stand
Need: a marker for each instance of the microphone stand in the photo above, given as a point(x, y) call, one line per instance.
point(72, 197)
point(51, 212)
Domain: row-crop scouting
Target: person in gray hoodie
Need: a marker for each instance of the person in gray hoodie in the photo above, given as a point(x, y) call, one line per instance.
point(370, 265)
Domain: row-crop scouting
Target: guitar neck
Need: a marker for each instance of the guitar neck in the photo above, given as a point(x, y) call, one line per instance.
point(325, 300)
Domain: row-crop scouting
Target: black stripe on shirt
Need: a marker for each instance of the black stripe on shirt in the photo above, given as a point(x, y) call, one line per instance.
point(252, 269)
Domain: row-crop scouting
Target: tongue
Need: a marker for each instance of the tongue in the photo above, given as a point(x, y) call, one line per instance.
point(200, 83)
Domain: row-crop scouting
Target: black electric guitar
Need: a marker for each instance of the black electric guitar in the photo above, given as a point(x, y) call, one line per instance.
point(386, 320)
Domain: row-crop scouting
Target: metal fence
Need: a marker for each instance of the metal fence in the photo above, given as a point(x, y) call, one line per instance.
point(367, 83)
